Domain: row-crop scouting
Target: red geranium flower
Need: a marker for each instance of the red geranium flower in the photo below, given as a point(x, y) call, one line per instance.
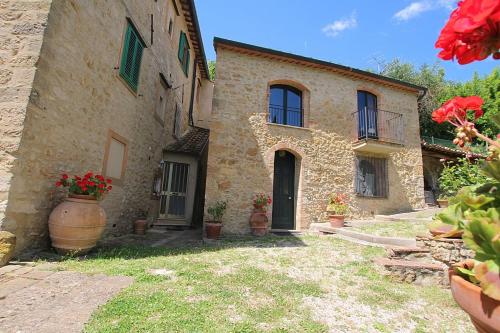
point(108, 181)
point(88, 174)
point(472, 32)
point(91, 184)
point(58, 184)
point(455, 110)
point(110, 187)
point(101, 185)
point(64, 176)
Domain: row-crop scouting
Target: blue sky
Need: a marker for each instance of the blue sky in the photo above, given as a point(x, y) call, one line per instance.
point(355, 33)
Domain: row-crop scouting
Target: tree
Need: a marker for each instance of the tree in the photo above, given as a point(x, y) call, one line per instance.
point(211, 69)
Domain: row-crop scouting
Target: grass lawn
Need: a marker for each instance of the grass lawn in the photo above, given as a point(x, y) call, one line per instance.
point(394, 229)
point(271, 284)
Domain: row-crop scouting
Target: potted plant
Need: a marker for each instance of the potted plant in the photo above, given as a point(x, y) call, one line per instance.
point(141, 223)
point(337, 208)
point(258, 219)
point(475, 212)
point(76, 224)
point(214, 225)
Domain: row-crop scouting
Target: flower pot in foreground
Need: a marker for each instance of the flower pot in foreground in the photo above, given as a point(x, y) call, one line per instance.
point(336, 221)
point(76, 224)
point(213, 229)
point(259, 222)
point(483, 311)
point(443, 203)
point(140, 227)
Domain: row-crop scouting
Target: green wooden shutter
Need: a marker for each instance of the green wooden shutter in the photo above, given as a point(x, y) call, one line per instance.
point(186, 64)
point(182, 45)
point(131, 57)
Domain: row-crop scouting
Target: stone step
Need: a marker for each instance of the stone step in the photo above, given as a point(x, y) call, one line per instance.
point(409, 253)
point(417, 272)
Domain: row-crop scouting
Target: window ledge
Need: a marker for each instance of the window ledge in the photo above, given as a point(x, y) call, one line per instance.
point(371, 197)
point(288, 126)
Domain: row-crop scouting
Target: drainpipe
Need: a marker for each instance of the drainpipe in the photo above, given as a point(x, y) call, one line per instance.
point(193, 87)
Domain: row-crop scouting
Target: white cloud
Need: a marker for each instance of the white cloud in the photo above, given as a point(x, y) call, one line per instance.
point(418, 7)
point(412, 10)
point(336, 27)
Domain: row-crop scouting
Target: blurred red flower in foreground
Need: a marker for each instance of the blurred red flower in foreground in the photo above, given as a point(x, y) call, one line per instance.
point(472, 32)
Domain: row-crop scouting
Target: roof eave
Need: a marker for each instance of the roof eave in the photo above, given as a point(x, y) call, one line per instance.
point(339, 68)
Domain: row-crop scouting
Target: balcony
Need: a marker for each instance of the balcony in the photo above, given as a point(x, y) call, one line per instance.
point(378, 131)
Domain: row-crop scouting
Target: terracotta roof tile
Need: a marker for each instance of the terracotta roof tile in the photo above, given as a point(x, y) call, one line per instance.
point(193, 142)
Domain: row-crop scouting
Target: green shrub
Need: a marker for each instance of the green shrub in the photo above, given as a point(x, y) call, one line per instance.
point(456, 176)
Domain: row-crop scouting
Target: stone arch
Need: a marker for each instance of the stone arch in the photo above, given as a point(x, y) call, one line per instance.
point(306, 96)
point(301, 163)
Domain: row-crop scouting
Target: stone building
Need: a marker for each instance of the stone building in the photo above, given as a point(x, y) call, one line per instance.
point(106, 86)
point(300, 129)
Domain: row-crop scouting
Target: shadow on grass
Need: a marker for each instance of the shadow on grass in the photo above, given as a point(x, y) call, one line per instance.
point(139, 250)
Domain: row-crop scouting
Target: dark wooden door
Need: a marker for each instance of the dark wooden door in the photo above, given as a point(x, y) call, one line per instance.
point(283, 191)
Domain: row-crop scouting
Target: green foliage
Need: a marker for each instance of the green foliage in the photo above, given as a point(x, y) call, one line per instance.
point(456, 176)
point(211, 70)
point(217, 210)
point(440, 90)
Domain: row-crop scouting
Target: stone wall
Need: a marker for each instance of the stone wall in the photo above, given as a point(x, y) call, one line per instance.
point(77, 97)
point(242, 143)
point(445, 250)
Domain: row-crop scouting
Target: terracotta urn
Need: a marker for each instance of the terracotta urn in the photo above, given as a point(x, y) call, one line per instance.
point(336, 221)
point(140, 227)
point(443, 203)
point(259, 222)
point(483, 311)
point(213, 229)
point(76, 224)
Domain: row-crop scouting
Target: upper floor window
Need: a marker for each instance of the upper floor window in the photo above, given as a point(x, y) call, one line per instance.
point(285, 106)
point(130, 65)
point(367, 115)
point(184, 52)
point(371, 176)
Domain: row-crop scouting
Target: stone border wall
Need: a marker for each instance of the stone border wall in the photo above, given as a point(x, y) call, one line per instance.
point(445, 250)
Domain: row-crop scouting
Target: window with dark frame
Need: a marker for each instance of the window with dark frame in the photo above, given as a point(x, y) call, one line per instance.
point(130, 65)
point(183, 54)
point(285, 106)
point(367, 115)
point(371, 177)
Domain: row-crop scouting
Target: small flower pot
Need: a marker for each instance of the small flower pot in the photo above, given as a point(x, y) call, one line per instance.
point(443, 203)
point(213, 229)
point(483, 311)
point(336, 221)
point(140, 227)
point(259, 222)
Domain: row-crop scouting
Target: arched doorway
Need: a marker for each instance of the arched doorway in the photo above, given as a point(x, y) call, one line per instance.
point(284, 191)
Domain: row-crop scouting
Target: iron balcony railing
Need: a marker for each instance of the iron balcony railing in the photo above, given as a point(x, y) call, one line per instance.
point(376, 124)
point(286, 116)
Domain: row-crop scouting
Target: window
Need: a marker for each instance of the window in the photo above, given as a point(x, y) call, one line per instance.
point(371, 176)
point(367, 115)
point(161, 107)
point(177, 120)
point(133, 47)
point(115, 156)
point(184, 52)
point(285, 106)
point(170, 26)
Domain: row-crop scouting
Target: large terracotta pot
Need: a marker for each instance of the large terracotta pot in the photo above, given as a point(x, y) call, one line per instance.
point(259, 222)
point(213, 229)
point(76, 224)
point(336, 221)
point(483, 311)
point(443, 203)
point(140, 227)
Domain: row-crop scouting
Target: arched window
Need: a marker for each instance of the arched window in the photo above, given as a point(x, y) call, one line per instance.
point(285, 106)
point(367, 115)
